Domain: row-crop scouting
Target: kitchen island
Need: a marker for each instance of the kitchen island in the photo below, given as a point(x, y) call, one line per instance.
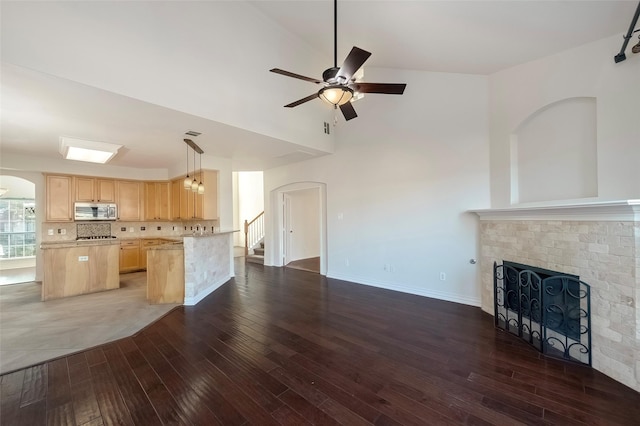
point(79, 267)
point(207, 262)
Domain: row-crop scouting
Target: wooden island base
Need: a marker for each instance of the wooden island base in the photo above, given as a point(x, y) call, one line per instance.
point(165, 274)
point(73, 269)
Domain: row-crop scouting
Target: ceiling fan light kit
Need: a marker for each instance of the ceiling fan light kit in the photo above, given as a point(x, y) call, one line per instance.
point(336, 95)
point(339, 82)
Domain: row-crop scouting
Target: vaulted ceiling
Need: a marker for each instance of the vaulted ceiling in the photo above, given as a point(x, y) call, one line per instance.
point(141, 74)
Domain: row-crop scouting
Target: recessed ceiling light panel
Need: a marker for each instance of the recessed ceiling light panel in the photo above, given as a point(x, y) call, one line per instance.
point(89, 151)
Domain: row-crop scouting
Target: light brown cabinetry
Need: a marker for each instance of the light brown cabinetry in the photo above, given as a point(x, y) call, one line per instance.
point(129, 255)
point(144, 247)
point(129, 200)
point(156, 200)
point(59, 198)
point(88, 189)
point(73, 270)
point(165, 275)
point(186, 204)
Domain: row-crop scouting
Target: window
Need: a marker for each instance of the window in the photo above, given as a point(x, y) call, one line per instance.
point(17, 228)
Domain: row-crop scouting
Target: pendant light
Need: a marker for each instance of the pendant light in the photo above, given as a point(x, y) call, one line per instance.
point(194, 183)
point(187, 180)
point(201, 185)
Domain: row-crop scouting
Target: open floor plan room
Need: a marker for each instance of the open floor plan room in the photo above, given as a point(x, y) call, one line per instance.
point(282, 346)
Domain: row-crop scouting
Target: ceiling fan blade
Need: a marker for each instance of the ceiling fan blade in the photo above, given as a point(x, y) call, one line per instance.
point(348, 111)
point(386, 88)
point(294, 75)
point(301, 101)
point(355, 59)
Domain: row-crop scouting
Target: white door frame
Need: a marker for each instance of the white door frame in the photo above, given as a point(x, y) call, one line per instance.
point(276, 199)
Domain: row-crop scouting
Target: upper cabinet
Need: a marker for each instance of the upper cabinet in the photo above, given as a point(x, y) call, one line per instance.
point(59, 198)
point(96, 190)
point(156, 200)
point(186, 204)
point(136, 200)
point(129, 200)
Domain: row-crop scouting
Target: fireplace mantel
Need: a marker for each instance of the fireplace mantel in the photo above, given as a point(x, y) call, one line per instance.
point(624, 210)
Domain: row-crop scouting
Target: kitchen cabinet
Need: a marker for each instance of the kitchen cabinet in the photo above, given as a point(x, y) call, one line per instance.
point(186, 204)
point(59, 198)
point(165, 275)
point(129, 200)
point(94, 190)
point(129, 255)
point(156, 200)
point(144, 247)
point(75, 268)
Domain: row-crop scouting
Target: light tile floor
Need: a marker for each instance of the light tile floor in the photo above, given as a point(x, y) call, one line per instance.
point(17, 275)
point(32, 331)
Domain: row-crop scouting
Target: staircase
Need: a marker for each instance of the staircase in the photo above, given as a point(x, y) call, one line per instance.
point(257, 256)
point(254, 236)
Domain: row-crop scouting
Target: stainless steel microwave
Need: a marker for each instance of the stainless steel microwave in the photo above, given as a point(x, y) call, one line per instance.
point(95, 211)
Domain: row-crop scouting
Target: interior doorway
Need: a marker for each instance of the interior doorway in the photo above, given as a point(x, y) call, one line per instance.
point(300, 226)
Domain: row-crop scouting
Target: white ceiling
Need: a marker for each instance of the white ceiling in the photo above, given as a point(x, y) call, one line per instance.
point(478, 37)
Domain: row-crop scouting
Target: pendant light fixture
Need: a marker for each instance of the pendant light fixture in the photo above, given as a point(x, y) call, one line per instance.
point(201, 185)
point(191, 182)
point(194, 183)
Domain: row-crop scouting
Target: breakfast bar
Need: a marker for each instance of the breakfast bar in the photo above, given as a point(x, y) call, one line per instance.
point(207, 263)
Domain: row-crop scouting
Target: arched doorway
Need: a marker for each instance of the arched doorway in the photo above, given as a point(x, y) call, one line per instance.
point(18, 230)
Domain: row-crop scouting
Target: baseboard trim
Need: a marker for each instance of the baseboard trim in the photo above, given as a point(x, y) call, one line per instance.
point(449, 297)
point(190, 301)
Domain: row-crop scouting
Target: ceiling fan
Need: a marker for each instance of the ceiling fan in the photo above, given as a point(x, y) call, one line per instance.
point(338, 84)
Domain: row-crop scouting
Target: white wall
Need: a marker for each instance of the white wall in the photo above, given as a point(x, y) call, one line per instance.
point(399, 183)
point(138, 49)
point(248, 200)
point(557, 152)
point(18, 187)
point(585, 71)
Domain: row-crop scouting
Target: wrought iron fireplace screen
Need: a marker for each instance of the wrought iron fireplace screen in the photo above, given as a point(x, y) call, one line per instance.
point(547, 309)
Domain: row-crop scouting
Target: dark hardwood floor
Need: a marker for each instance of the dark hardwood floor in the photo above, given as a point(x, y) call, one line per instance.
point(282, 346)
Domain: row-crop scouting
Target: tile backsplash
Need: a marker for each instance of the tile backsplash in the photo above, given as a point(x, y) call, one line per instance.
point(65, 231)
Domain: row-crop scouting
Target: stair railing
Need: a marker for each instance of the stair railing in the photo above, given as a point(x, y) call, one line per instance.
point(253, 232)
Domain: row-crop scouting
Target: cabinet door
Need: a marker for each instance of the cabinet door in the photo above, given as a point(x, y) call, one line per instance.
point(105, 190)
point(129, 256)
point(150, 201)
point(129, 200)
point(59, 195)
point(163, 196)
point(176, 192)
point(84, 189)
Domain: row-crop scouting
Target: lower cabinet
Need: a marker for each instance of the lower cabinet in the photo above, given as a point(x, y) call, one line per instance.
point(130, 256)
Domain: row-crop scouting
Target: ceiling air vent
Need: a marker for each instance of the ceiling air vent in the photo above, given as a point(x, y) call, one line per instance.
point(193, 133)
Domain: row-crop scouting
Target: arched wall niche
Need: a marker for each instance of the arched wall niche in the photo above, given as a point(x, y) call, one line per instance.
point(554, 153)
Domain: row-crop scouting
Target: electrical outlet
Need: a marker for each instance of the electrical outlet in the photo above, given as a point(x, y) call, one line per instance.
point(64, 231)
point(346, 262)
point(443, 276)
point(143, 228)
point(49, 231)
point(158, 228)
point(131, 229)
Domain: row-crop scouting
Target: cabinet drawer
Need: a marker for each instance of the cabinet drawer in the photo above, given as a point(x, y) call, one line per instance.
point(133, 243)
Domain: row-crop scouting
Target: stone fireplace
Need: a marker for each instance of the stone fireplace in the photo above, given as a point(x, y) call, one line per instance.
point(600, 242)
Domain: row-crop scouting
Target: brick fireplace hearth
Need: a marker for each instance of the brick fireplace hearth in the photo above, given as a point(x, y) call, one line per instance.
point(600, 242)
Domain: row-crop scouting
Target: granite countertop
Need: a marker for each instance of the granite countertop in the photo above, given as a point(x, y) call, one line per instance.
point(210, 234)
point(77, 243)
point(168, 246)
